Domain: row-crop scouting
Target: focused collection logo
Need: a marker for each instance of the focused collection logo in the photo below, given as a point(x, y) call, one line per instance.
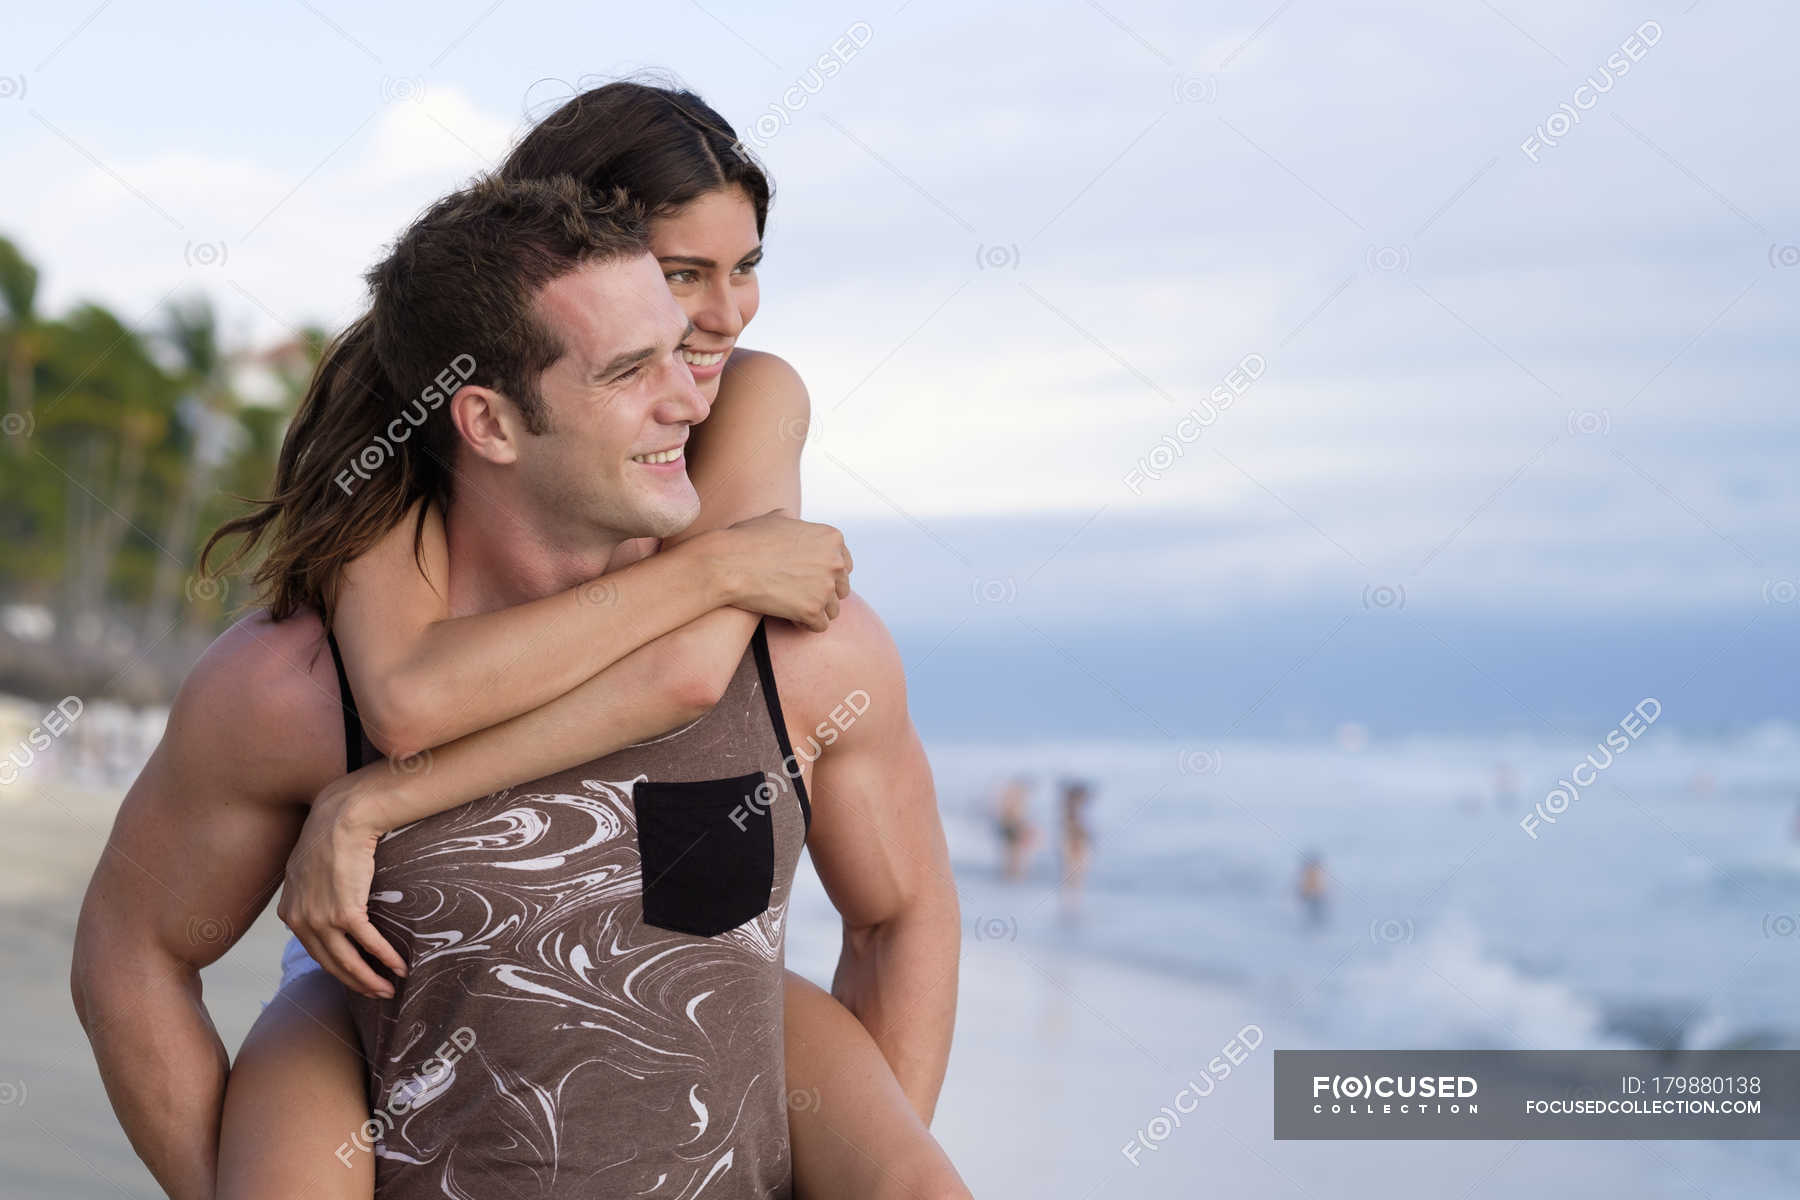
point(1401, 1095)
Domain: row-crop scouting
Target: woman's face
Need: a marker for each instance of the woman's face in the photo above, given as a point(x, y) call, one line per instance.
point(708, 252)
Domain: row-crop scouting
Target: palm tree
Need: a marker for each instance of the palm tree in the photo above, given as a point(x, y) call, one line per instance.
point(24, 335)
point(92, 444)
point(207, 417)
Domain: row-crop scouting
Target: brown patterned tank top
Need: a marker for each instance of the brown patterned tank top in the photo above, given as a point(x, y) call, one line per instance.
point(594, 1003)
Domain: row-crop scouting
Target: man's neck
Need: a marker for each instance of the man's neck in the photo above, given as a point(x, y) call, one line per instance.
point(499, 559)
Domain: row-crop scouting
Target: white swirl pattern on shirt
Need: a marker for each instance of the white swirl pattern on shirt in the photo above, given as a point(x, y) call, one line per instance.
point(532, 899)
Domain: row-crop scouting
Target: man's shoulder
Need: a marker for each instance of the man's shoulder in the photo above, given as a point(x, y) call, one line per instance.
point(270, 665)
point(816, 672)
point(264, 700)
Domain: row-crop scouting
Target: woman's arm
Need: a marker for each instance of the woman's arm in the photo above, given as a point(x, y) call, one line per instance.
point(745, 461)
point(422, 677)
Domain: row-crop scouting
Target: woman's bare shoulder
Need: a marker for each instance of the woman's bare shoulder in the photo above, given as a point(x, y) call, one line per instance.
point(762, 372)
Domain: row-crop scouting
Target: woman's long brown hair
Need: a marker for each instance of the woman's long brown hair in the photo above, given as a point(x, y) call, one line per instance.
point(314, 527)
point(665, 147)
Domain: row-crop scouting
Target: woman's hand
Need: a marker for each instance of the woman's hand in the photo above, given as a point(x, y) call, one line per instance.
point(782, 567)
point(325, 896)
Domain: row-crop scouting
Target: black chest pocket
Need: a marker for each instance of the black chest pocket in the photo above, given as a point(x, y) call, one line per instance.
point(708, 851)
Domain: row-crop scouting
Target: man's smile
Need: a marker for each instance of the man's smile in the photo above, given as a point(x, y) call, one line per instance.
point(657, 458)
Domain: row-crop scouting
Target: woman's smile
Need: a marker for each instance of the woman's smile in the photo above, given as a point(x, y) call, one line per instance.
point(705, 364)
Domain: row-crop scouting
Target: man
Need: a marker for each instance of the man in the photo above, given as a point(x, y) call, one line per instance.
point(597, 928)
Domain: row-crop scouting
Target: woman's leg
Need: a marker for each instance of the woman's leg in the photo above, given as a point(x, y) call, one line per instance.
point(295, 1101)
point(854, 1133)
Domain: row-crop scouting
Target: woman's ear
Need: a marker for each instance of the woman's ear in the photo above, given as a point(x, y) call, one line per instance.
point(488, 422)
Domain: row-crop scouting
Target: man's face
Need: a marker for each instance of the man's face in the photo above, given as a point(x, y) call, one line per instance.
point(620, 404)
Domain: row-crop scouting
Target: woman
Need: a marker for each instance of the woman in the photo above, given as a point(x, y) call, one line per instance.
point(424, 680)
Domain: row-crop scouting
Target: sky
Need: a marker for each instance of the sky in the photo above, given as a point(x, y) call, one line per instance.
point(1264, 365)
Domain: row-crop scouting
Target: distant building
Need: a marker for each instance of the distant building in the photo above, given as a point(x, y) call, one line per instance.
point(270, 377)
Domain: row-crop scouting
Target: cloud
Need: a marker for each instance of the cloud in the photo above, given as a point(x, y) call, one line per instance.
point(430, 131)
point(276, 246)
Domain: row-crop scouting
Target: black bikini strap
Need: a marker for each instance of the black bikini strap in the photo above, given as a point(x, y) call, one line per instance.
point(353, 731)
point(759, 642)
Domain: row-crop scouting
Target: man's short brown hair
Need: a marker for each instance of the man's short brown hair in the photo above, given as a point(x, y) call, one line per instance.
point(463, 281)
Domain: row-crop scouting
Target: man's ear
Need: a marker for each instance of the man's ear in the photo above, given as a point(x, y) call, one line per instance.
point(488, 422)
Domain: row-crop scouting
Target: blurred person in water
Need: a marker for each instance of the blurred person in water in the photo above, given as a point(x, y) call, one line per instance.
point(1019, 835)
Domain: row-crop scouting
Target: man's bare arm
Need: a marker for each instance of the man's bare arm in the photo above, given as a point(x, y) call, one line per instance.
point(195, 852)
point(879, 847)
